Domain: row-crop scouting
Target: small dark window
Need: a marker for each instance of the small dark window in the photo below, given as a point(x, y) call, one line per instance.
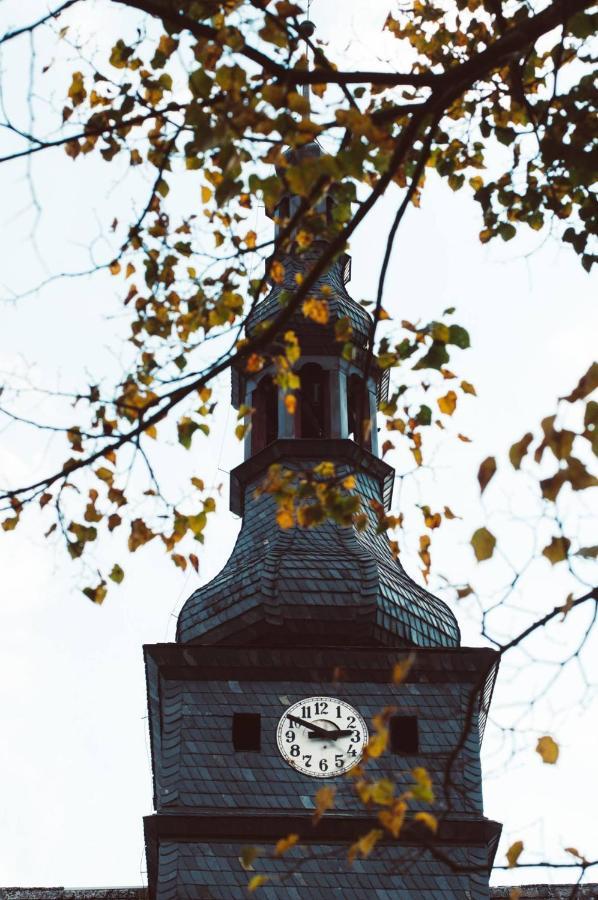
point(264, 423)
point(404, 735)
point(313, 402)
point(358, 411)
point(246, 731)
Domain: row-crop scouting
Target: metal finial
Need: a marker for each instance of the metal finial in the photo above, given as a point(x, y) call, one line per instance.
point(306, 30)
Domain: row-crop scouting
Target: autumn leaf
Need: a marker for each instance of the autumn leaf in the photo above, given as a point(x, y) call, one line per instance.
point(548, 749)
point(587, 383)
point(448, 403)
point(323, 801)
point(402, 668)
point(290, 403)
point(364, 845)
point(483, 543)
point(277, 272)
point(140, 534)
point(248, 855)
point(519, 449)
point(422, 789)
point(316, 310)
point(256, 882)
point(468, 388)
point(513, 853)
point(284, 518)
point(427, 819)
point(557, 550)
point(486, 472)
point(117, 574)
point(285, 844)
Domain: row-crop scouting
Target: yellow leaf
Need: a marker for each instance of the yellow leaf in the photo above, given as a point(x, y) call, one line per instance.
point(241, 431)
point(377, 744)
point(316, 310)
point(483, 543)
point(468, 388)
point(323, 800)
point(256, 882)
point(206, 194)
point(401, 668)
point(290, 402)
point(349, 482)
point(448, 403)
point(285, 518)
point(250, 239)
point(303, 239)
point(548, 750)
point(277, 272)
point(393, 819)
point(427, 819)
point(114, 267)
point(513, 853)
point(130, 270)
point(285, 844)
point(365, 844)
point(422, 789)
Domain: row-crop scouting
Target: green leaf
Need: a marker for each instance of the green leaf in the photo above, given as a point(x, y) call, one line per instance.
point(117, 574)
point(459, 337)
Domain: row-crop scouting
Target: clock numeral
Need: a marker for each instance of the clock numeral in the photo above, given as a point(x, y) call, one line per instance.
point(295, 751)
point(306, 712)
point(290, 736)
point(339, 760)
point(338, 712)
point(321, 708)
point(350, 721)
point(323, 765)
point(306, 760)
point(356, 737)
point(352, 751)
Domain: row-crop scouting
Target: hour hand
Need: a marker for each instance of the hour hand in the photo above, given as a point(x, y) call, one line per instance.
point(331, 734)
point(317, 731)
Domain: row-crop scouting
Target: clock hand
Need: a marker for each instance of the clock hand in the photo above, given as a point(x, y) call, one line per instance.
point(321, 732)
point(330, 734)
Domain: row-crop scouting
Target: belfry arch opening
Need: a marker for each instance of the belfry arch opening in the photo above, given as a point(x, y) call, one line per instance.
point(264, 423)
point(358, 411)
point(313, 407)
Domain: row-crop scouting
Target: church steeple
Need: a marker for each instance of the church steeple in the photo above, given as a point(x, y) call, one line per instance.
point(355, 591)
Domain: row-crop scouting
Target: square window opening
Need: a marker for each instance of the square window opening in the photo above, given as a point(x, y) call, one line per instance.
point(404, 734)
point(247, 731)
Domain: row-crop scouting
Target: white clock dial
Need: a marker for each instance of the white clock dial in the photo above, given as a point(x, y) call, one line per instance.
point(321, 736)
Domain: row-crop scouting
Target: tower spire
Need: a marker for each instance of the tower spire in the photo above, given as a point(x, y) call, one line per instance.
point(306, 30)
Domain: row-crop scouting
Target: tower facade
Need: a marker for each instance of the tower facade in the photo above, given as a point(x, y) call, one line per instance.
point(284, 659)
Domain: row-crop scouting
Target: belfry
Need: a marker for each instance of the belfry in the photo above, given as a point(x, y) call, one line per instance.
point(282, 661)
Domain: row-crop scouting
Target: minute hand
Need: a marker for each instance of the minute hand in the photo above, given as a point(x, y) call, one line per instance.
point(321, 732)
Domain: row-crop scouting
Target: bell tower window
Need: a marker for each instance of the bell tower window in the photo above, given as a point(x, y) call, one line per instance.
point(264, 400)
point(358, 411)
point(313, 412)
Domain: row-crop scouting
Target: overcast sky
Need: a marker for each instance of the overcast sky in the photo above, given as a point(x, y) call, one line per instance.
point(75, 772)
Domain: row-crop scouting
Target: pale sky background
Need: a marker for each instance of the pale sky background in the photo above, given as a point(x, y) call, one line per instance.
point(75, 775)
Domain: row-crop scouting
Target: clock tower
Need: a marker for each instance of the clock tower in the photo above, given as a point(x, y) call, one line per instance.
point(284, 659)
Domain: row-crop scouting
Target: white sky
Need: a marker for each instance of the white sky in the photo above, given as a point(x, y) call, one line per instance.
point(74, 756)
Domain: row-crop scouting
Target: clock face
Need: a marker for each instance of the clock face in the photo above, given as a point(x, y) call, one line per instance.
point(322, 736)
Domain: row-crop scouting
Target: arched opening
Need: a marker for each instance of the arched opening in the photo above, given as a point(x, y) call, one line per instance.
point(264, 422)
point(358, 412)
point(313, 416)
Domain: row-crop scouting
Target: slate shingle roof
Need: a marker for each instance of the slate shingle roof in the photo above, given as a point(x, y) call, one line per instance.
point(323, 585)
